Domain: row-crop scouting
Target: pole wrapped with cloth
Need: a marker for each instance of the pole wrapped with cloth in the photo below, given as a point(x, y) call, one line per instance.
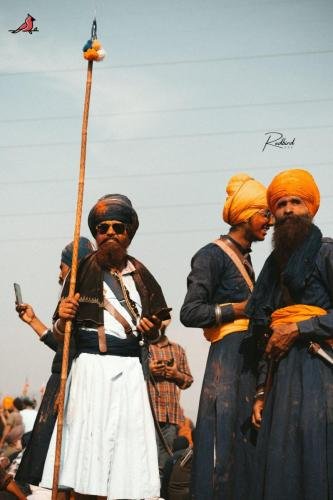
point(92, 52)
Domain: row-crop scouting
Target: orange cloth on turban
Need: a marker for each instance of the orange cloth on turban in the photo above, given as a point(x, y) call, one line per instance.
point(295, 313)
point(295, 182)
point(246, 196)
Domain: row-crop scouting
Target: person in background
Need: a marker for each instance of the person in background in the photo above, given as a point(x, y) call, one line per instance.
point(8, 487)
point(28, 414)
point(30, 469)
point(10, 442)
point(177, 471)
point(186, 429)
point(170, 374)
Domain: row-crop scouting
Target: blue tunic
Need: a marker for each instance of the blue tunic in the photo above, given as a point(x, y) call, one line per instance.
point(224, 439)
point(294, 455)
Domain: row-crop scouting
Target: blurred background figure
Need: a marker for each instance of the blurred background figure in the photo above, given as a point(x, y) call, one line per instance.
point(169, 374)
point(177, 471)
point(28, 414)
point(13, 428)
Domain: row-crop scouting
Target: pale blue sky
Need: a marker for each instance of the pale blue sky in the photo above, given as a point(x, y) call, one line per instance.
point(182, 102)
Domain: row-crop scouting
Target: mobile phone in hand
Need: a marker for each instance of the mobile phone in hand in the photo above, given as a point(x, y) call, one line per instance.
point(18, 294)
point(163, 314)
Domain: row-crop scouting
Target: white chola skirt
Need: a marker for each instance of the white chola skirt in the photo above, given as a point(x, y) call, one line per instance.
point(109, 445)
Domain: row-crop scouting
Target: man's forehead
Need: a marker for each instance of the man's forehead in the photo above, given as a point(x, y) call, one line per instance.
point(285, 199)
point(111, 221)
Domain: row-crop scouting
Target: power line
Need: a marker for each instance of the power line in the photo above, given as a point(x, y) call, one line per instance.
point(138, 208)
point(164, 137)
point(171, 110)
point(160, 174)
point(174, 63)
point(216, 230)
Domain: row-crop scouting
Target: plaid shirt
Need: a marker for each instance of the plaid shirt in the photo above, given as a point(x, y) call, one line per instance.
point(165, 393)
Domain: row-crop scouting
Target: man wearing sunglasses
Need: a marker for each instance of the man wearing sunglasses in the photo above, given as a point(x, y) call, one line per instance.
point(109, 447)
point(219, 285)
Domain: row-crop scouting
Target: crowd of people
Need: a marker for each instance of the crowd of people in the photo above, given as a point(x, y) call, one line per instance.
point(263, 430)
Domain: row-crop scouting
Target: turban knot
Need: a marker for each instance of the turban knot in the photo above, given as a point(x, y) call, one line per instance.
point(246, 196)
point(114, 207)
point(295, 182)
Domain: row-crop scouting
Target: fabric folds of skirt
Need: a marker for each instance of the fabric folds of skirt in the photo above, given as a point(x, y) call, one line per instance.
point(109, 445)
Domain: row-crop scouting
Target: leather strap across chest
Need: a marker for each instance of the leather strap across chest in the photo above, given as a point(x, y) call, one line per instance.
point(237, 258)
point(119, 317)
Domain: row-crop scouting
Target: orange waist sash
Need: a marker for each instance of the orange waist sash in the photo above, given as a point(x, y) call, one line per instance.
point(295, 313)
point(216, 333)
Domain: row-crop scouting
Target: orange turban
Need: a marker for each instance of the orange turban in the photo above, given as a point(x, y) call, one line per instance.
point(294, 182)
point(245, 197)
point(7, 403)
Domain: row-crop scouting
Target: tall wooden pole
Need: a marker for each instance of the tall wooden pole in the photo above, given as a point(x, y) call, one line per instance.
point(68, 328)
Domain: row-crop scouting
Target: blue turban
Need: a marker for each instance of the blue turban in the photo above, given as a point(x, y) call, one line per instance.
point(85, 248)
point(114, 207)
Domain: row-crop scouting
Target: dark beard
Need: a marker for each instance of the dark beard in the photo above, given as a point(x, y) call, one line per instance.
point(111, 255)
point(289, 234)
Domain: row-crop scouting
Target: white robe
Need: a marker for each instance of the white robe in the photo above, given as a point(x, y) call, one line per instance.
point(109, 445)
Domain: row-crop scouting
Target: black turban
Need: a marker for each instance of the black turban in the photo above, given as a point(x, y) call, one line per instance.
point(114, 207)
point(85, 248)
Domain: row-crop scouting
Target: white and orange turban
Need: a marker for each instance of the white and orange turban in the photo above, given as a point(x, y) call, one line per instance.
point(295, 182)
point(246, 196)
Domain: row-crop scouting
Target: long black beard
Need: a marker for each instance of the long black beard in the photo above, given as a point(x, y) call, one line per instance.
point(289, 233)
point(111, 255)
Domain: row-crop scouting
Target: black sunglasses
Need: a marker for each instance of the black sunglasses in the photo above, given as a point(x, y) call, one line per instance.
point(118, 227)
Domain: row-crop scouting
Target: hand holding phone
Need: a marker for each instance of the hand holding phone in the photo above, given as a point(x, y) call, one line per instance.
point(163, 314)
point(18, 294)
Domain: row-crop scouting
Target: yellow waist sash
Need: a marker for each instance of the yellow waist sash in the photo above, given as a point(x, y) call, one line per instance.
point(216, 333)
point(295, 313)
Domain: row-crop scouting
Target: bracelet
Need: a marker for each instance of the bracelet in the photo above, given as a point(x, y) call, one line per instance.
point(219, 311)
point(259, 395)
point(218, 314)
point(56, 329)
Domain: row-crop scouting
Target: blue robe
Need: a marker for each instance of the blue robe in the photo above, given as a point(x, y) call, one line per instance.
point(294, 455)
point(224, 438)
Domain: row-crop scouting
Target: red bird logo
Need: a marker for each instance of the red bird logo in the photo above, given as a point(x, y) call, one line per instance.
point(27, 26)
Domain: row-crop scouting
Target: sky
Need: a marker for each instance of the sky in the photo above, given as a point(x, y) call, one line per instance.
point(184, 100)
